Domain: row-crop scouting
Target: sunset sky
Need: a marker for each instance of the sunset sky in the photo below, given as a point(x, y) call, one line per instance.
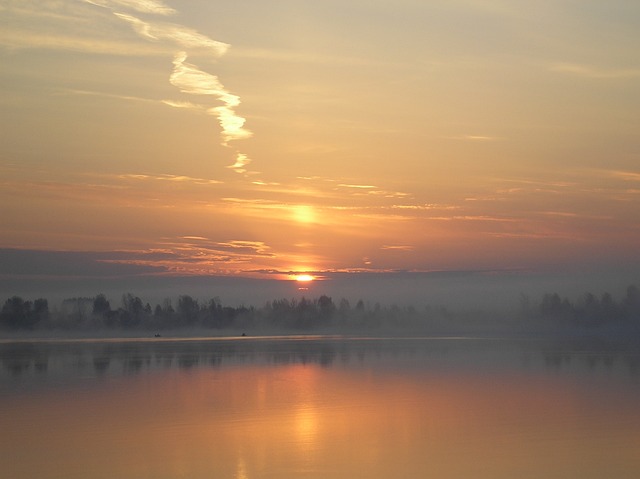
point(264, 139)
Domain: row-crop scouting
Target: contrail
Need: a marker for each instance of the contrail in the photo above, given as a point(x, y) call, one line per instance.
point(187, 77)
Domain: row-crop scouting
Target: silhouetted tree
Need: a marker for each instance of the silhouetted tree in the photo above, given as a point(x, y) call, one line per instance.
point(40, 310)
point(326, 309)
point(101, 306)
point(188, 309)
point(553, 307)
point(132, 311)
point(631, 304)
point(76, 312)
point(15, 313)
point(214, 315)
point(609, 309)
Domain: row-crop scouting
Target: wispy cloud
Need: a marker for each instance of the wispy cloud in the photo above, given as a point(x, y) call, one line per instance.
point(397, 247)
point(188, 77)
point(143, 6)
point(106, 95)
point(241, 162)
point(425, 207)
point(184, 104)
point(589, 71)
point(14, 39)
point(369, 190)
point(626, 175)
point(173, 178)
point(198, 255)
point(182, 36)
point(474, 138)
point(362, 187)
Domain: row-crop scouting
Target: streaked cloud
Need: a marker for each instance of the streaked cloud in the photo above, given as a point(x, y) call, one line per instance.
point(474, 138)
point(196, 255)
point(14, 39)
point(63, 26)
point(241, 162)
point(397, 247)
point(590, 71)
point(184, 104)
point(425, 207)
point(113, 96)
point(182, 36)
point(155, 7)
point(167, 177)
point(187, 77)
point(626, 175)
point(361, 187)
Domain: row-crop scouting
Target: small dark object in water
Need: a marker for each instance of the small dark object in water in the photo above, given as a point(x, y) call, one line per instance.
point(158, 335)
point(243, 334)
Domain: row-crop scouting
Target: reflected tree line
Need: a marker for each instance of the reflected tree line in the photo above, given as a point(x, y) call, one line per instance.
point(320, 314)
point(60, 359)
point(131, 357)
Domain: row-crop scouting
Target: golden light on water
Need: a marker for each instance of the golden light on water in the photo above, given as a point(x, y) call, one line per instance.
point(304, 408)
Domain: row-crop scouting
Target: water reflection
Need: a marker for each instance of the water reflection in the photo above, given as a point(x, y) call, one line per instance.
point(319, 408)
point(117, 357)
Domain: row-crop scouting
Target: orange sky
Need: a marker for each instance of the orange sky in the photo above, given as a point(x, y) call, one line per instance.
point(253, 137)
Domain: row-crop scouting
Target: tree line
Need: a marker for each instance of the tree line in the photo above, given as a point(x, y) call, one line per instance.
point(322, 313)
point(590, 310)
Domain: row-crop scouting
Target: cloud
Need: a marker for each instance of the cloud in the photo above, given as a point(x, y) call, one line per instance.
point(182, 36)
point(13, 39)
point(626, 175)
point(195, 255)
point(143, 6)
point(474, 138)
point(65, 26)
point(20, 263)
point(173, 178)
point(106, 95)
point(589, 71)
point(187, 105)
point(187, 77)
point(426, 207)
point(397, 247)
point(241, 161)
point(364, 187)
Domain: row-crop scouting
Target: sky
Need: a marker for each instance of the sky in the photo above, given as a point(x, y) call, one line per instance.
point(257, 141)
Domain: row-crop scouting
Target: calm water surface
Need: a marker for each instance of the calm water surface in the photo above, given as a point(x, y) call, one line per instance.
point(319, 407)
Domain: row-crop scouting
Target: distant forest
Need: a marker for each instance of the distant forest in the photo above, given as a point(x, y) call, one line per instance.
point(304, 315)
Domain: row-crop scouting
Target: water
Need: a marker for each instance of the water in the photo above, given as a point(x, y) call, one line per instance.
point(319, 407)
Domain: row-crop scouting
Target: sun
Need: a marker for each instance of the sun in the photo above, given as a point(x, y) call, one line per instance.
point(304, 278)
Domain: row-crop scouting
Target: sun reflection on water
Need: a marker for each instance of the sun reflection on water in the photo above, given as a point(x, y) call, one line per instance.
point(306, 421)
point(241, 472)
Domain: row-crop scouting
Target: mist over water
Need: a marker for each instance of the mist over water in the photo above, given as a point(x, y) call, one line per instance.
point(59, 275)
point(319, 407)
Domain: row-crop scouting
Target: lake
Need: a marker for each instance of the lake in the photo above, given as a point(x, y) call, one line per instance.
point(319, 407)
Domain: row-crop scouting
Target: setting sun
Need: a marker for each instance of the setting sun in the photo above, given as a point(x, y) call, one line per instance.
point(238, 149)
point(304, 278)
